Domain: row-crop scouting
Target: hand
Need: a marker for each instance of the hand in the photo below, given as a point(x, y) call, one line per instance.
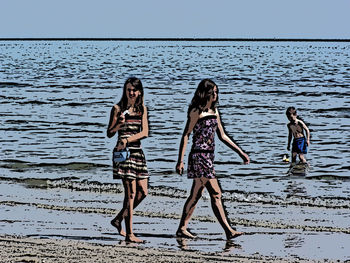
point(245, 158)
point(121, 119)
point(180, 168)
point(307, 142)
point(121, 144)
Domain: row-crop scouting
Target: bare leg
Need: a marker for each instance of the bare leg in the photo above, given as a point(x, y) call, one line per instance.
point(302, 158)
point(294, 157)
point(131, 190)
point(141, 193)
point(127, 211)
point(117, 224)
point(117, 221)
point(190, 205)
point(215, 194)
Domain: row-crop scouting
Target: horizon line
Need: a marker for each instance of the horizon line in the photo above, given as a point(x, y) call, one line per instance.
point(173, 39)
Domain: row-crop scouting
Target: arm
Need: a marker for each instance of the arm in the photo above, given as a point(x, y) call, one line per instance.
point(191, 122)
point(140, 135)
point(289, 137)
point(114, 124)
point(225, 139)
point(307, 132)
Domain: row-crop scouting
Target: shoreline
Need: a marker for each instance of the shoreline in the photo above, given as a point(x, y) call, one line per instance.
point(28, 249)
point(32, 214)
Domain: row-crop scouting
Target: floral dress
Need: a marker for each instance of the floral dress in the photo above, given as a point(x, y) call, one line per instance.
point(201, 158)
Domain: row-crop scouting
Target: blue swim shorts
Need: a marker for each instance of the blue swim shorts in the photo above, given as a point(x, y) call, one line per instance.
point(299, 145)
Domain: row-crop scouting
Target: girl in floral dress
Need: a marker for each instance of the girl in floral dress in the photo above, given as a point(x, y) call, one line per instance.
point(204, 121)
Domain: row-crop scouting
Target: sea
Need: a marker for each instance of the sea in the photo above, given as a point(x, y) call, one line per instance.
point(56, 98)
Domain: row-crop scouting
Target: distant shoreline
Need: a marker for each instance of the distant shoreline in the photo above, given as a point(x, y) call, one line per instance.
point(183, 39)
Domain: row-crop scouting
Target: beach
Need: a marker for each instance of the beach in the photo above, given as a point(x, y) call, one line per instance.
point(64, 221)
point(19, 249)
point(57, 195)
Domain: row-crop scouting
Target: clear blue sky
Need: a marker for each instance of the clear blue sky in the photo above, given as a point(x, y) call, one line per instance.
point(176, 18)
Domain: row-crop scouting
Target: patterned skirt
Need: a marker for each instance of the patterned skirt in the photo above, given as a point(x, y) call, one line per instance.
point(134, 167)
point(201, 164)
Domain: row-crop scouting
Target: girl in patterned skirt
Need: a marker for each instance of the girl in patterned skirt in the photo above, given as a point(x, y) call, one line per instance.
point(129, 118)
point(204, 121)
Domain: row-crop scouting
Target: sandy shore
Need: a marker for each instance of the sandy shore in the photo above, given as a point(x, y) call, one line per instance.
point(23, 249)
point(62, 225)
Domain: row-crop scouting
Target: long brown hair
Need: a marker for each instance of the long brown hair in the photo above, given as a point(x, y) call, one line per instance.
point(202, 96)
point(123, 103)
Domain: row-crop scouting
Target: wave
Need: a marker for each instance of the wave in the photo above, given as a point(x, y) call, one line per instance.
point(34, 102)
point(90, 103)
point(270, 199)
point(10, 99)
point(18, 164)
point(44, 123)
point(339, 109)
point(75, 104)
point(50, 101)
point(13, 84)
point(161, 160)
point(235, 221)
point(81, 124)
point(7, 98)
point(73, 183)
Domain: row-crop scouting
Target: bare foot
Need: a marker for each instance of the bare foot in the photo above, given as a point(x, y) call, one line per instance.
point(184, 233)
point(133, 238)
point(118, 226)
point(233, 234)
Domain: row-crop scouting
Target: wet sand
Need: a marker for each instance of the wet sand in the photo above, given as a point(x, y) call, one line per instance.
point(22, 249)
point(65, 225)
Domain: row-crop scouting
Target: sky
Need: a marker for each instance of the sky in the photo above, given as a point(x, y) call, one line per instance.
point(175, 19)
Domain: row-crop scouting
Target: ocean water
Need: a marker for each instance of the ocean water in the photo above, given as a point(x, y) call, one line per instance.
point(56, 97)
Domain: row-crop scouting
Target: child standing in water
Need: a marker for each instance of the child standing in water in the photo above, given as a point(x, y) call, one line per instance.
point(296, 128)
point(129, 119)
point(204, 120)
